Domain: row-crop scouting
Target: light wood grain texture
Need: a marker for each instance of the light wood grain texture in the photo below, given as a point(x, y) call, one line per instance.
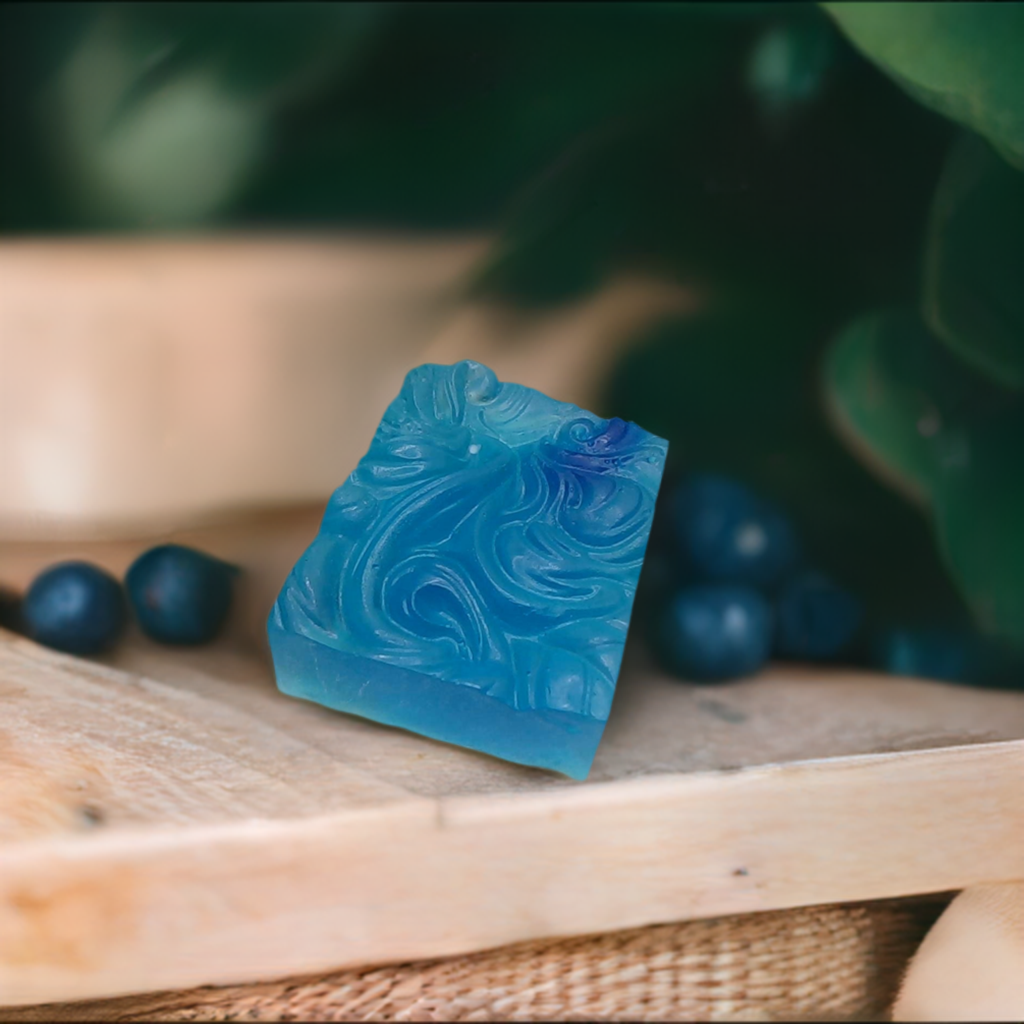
point(168, 819)
point(204, 829)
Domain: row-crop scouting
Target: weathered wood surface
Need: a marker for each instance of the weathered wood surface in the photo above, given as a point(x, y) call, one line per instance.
point(168, 819)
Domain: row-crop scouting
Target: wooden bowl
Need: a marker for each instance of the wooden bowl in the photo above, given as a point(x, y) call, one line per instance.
point(154, 384)
point(159, 381)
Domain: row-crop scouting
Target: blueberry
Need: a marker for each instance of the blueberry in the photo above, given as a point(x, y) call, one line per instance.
point(713, 632)
point(949, 655)
point(180, 595)
point(953, 655)
point(815, 618)
point(74, 607)
point(728, 534)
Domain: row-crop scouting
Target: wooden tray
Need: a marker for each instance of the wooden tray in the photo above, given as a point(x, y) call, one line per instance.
point(167, 819)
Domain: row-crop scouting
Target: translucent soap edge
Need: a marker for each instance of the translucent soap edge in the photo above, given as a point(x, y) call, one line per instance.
point(422, 704)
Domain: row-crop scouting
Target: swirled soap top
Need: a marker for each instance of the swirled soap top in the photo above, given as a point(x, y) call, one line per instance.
point(492, 537)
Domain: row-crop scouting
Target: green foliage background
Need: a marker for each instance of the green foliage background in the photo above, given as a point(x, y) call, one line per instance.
point(842, 184)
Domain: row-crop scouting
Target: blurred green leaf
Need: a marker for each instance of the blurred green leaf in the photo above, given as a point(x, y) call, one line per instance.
point(138, 137)
point(459, 116)
point(266, 53)
point(963, 60)
point(900, 399)
point(974, 265)
point(979, 509)
point(738, 11)
point(464, 105)
point(736, 390)
point(699, 186)
point(159, 114)
point(915, 413)
point(790, 65)
point(35, 40)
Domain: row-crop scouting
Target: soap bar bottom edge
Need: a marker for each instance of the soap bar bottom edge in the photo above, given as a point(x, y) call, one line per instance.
point(462, 715)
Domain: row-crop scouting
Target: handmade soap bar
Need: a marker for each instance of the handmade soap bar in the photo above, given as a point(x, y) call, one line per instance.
point(473, 578)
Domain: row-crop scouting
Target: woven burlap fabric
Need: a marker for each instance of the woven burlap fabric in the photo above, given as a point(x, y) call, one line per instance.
point(840, 962)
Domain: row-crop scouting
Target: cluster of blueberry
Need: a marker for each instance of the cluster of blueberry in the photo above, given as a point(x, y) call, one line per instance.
point(734, 589)
point(178, 596)
point(728, 588)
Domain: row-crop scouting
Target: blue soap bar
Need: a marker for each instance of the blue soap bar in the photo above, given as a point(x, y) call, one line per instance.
point(473, 578)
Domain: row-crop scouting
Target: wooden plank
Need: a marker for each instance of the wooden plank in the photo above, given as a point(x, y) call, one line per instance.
point(219, 848)
point(168, 819)
point(657, 726)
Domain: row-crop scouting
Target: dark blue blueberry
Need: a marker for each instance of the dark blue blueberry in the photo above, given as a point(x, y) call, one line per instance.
point(74, 607)
point(814, 618)
point(714, 632)
point(952, 655)
point(180, 595)
point(930, 653)
point(728, 534)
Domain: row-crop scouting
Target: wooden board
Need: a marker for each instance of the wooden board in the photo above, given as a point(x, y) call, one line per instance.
point(168, 819)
